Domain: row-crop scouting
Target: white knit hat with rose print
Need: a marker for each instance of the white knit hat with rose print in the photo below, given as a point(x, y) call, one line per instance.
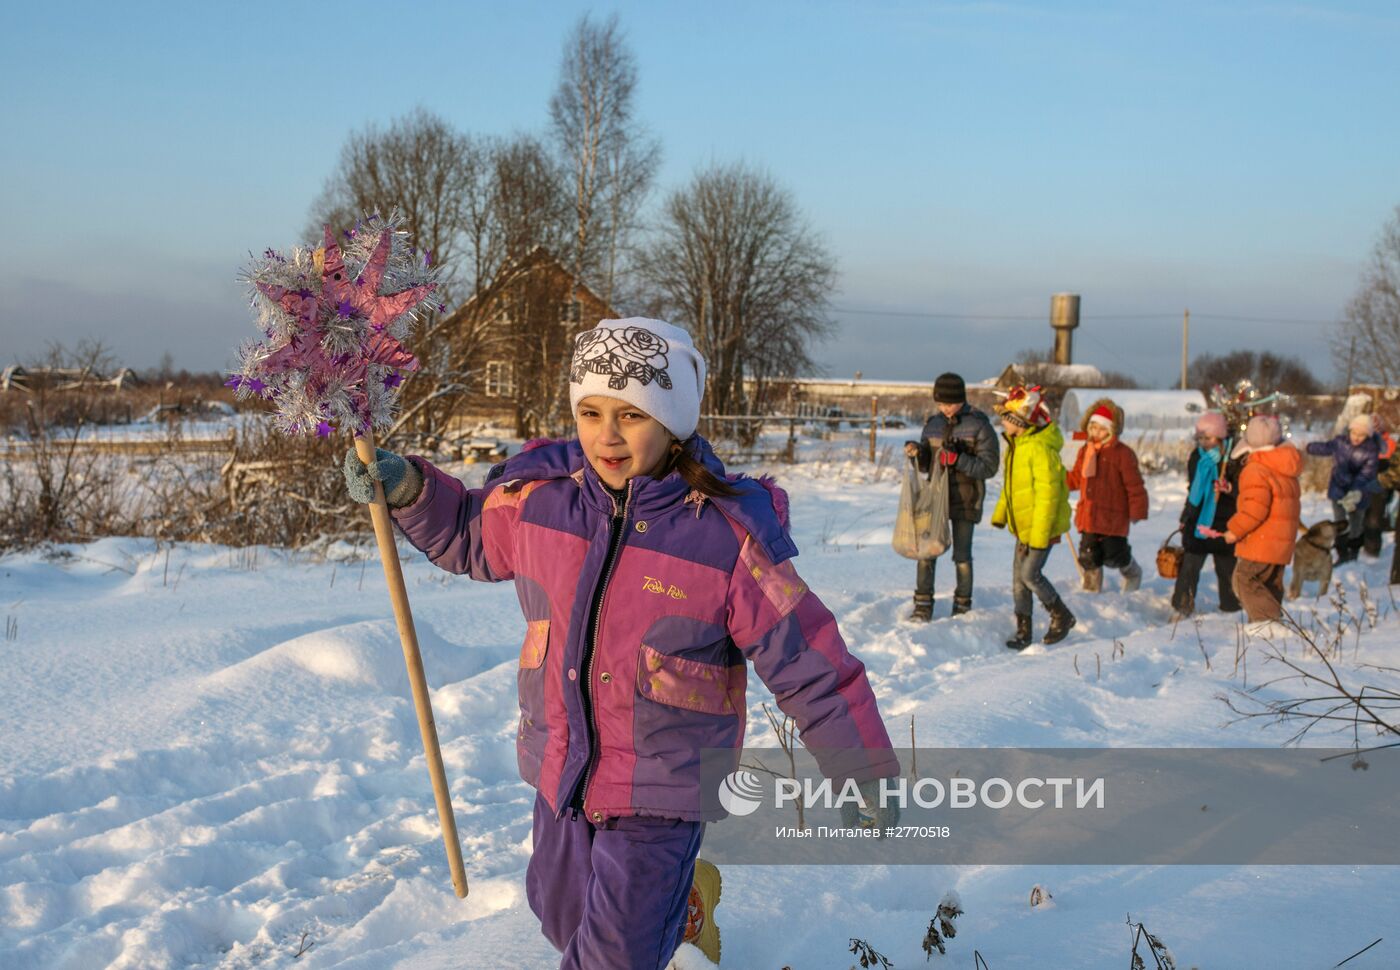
point(649, 364)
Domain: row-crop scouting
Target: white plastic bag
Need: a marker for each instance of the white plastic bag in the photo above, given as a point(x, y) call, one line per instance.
point(921, 527)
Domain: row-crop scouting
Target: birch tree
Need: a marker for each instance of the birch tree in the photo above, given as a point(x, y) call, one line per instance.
point(609, 159)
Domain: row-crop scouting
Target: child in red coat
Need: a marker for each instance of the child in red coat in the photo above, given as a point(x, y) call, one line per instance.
point(1112, 497)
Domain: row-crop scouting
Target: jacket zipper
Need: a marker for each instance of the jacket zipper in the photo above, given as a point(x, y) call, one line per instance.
point(1010, 494)
point(619, 521)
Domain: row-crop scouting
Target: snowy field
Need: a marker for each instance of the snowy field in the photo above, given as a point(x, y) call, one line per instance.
point(208, 758)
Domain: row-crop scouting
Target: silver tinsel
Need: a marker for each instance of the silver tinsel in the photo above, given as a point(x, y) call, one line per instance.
point(340, 387)
point(1245, 401)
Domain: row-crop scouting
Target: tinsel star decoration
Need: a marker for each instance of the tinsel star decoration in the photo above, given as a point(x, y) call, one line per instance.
point(1244, 402)
point(332, 354)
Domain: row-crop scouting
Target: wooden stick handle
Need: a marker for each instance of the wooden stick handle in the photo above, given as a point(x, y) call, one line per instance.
point(403, 616)
point(1074, 553)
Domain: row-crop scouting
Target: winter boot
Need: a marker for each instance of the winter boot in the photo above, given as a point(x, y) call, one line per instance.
point(1132, 576)
point(923, 609)
point(701, 930)
point(1061, 622)
point(1093, 580)
point(1183, 604)
point(962, 593)
point(1346, 552)
point(1022, 639)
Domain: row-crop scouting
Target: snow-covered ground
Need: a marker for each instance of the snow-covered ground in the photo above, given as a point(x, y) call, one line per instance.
point(208, 759)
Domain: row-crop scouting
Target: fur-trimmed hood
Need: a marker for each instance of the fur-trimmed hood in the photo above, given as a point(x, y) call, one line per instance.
point(1103, 402)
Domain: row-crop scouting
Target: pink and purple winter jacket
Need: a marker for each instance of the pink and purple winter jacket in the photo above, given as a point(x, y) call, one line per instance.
point(694, 588)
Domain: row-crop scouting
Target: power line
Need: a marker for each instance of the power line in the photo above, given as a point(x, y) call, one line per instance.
point(1221, 316)
point(926, 315)
point(1171, 315)
point(1112, 353)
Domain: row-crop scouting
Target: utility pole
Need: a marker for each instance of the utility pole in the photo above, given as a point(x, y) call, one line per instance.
point(1185, 345)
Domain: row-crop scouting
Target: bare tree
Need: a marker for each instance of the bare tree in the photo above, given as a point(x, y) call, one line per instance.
point(529, 204)
point(736, 263)
point(1366, 345)
point(434, 176)
point(1268, 371)
point(440, 183)
point(610, 160)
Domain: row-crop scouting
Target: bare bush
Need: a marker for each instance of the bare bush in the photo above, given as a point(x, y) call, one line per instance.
point(942, 927)
point(274, 489)
point(868, 956)
point(52, 488)
point(1161, 956)
point(1157, 453)
point(1332, 698)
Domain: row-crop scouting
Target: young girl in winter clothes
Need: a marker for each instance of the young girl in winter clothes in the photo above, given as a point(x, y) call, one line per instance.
point(647, 578)
point(1264, 528)
point(1112, 497)
point(1214, 477)
point(1033, 507)
point(1355, 468)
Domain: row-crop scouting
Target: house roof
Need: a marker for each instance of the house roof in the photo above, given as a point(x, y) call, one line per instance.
point(512, 271)
point(1056, 375)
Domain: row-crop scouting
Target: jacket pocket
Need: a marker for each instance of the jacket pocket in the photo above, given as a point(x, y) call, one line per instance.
point(691, 684)
point(536, 644)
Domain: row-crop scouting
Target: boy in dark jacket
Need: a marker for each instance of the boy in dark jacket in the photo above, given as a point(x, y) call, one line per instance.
point(960, 438)
point(1210, 503)
point(1355, 467)
point(1112, 497)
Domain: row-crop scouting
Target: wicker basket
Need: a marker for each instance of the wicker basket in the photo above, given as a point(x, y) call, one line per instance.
point(1169, 558)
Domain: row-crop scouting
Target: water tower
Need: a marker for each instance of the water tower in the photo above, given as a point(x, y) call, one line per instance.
point(1064, 318)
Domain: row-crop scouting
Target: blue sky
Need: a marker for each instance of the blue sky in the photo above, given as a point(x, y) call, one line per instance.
point(960, 159)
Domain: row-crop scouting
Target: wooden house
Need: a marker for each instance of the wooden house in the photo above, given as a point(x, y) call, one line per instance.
point(522, 329)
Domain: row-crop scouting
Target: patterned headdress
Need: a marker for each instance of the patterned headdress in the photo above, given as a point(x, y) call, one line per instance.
point(1024, 407)
point(647, 363)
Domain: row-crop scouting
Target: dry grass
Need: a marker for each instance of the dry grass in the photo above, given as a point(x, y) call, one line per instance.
point(108, 406)
point(263, 488)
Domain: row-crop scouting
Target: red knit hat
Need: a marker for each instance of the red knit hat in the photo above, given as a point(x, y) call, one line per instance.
point(1104, 416)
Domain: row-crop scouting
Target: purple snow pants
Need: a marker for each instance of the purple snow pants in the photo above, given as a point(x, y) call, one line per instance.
point(612, 897)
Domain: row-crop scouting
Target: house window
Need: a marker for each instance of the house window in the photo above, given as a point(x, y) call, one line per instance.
point(500, 378)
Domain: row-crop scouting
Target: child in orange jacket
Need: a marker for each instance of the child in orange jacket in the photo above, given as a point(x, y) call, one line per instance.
point(1264, 528)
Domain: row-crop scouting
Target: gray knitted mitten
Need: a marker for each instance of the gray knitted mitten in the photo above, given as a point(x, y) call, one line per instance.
point(401, 478)
point(873, 816)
